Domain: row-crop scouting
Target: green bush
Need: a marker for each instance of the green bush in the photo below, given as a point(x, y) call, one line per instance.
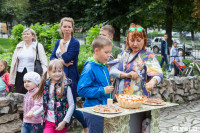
point(84, 53)
point(1, 50)
point(8, 57)
point(17, 32)
point(92, 33)
point(47, 34)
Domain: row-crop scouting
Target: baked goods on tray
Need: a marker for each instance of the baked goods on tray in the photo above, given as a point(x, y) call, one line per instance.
point(107, 109)
point(130, 101)
point(154, 101)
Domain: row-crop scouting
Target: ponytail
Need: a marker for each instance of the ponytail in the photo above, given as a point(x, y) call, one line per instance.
point(39, 93)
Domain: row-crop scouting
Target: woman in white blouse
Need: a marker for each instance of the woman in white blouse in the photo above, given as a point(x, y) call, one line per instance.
point(24, 58)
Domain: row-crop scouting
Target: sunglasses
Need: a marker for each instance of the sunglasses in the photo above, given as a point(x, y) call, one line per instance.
point(139, 29)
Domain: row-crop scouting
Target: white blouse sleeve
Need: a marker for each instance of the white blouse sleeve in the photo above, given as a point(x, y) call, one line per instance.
point(71, 105)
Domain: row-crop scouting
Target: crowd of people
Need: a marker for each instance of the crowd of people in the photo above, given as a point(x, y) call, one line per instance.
point(50, 100)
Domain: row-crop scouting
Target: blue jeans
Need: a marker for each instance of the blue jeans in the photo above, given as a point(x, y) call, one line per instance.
point(79, 116)
point(32, 128)
point(164, 59)
point(95, 123)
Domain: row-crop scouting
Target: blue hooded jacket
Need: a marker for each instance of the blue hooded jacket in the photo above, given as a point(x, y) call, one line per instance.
point(91, 84)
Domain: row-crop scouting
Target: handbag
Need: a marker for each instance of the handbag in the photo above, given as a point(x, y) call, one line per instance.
point(37, 66)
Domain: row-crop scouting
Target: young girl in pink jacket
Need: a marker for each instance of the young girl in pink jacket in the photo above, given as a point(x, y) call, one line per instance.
point(31, 125)
point(4, 78)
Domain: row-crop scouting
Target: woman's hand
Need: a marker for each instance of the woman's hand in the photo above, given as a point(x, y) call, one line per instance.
point(131, 75)
point(62, 42)
point(61, 125)
point(29, 114)
point(62, 48)
point(149, 86)
point(67, 64)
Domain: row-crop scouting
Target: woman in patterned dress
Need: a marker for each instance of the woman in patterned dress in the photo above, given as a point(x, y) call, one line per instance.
point(137, 71)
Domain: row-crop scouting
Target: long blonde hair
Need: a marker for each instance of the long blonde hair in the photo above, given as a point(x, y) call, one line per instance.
point(53, 64)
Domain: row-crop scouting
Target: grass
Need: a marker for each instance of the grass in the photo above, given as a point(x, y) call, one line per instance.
point(5, 43)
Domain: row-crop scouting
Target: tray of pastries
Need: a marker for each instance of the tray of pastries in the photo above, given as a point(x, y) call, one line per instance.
point(107, 109)
point(154, 101)
point(130, 101)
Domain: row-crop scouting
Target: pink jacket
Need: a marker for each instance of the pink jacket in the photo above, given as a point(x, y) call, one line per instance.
point(30, 104)
point(5, 78)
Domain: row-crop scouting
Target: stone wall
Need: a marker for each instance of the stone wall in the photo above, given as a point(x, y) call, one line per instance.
point(178, 89)
point(11, 109)
point(11, 114)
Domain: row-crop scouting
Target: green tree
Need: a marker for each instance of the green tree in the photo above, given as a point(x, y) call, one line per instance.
point(13, 10)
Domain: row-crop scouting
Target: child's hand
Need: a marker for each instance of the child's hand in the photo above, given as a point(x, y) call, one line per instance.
point(30, 114)
point(61, 125)
point(108, 89)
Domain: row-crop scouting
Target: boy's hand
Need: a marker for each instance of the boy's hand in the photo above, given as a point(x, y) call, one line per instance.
point(30, 114)
point(61, 125)
point(108, 89)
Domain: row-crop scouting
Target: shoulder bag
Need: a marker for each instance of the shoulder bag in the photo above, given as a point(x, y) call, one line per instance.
point(37, 66)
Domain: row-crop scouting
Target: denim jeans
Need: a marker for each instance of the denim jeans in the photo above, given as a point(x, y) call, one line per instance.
point(32, 128)
point(95, 123)
point(164, 59)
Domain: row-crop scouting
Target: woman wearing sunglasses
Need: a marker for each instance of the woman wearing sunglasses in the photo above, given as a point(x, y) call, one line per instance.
point(136, 70)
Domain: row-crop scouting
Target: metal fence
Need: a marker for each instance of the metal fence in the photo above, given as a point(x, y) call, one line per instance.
point(195, 52)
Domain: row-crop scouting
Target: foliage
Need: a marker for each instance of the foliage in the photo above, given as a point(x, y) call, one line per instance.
point(17, 32)
point(51, 11)
point(47, 34)
point(1, 50)
point(196, 10)
point(13, 10)
point(8, 57)
point(92, 33)
point(116, 50)
point(84, 53)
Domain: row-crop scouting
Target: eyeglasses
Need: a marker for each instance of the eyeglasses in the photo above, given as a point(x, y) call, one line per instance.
point(139, 29)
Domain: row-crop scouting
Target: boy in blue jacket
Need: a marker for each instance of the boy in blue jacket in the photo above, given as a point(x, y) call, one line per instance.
point(94, 83)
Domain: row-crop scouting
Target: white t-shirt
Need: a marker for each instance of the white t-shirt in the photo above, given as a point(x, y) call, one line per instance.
point(26, 58)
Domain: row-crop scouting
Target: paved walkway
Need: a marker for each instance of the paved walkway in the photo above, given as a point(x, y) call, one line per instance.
point(184, 118)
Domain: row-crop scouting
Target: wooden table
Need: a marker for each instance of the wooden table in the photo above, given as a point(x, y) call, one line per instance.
point(125, 122)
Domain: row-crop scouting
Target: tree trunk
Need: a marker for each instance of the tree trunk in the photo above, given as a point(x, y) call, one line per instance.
point(181, 36)
point(117, 36)
point(192, 35)
point(192, 38)
point(169, 14)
